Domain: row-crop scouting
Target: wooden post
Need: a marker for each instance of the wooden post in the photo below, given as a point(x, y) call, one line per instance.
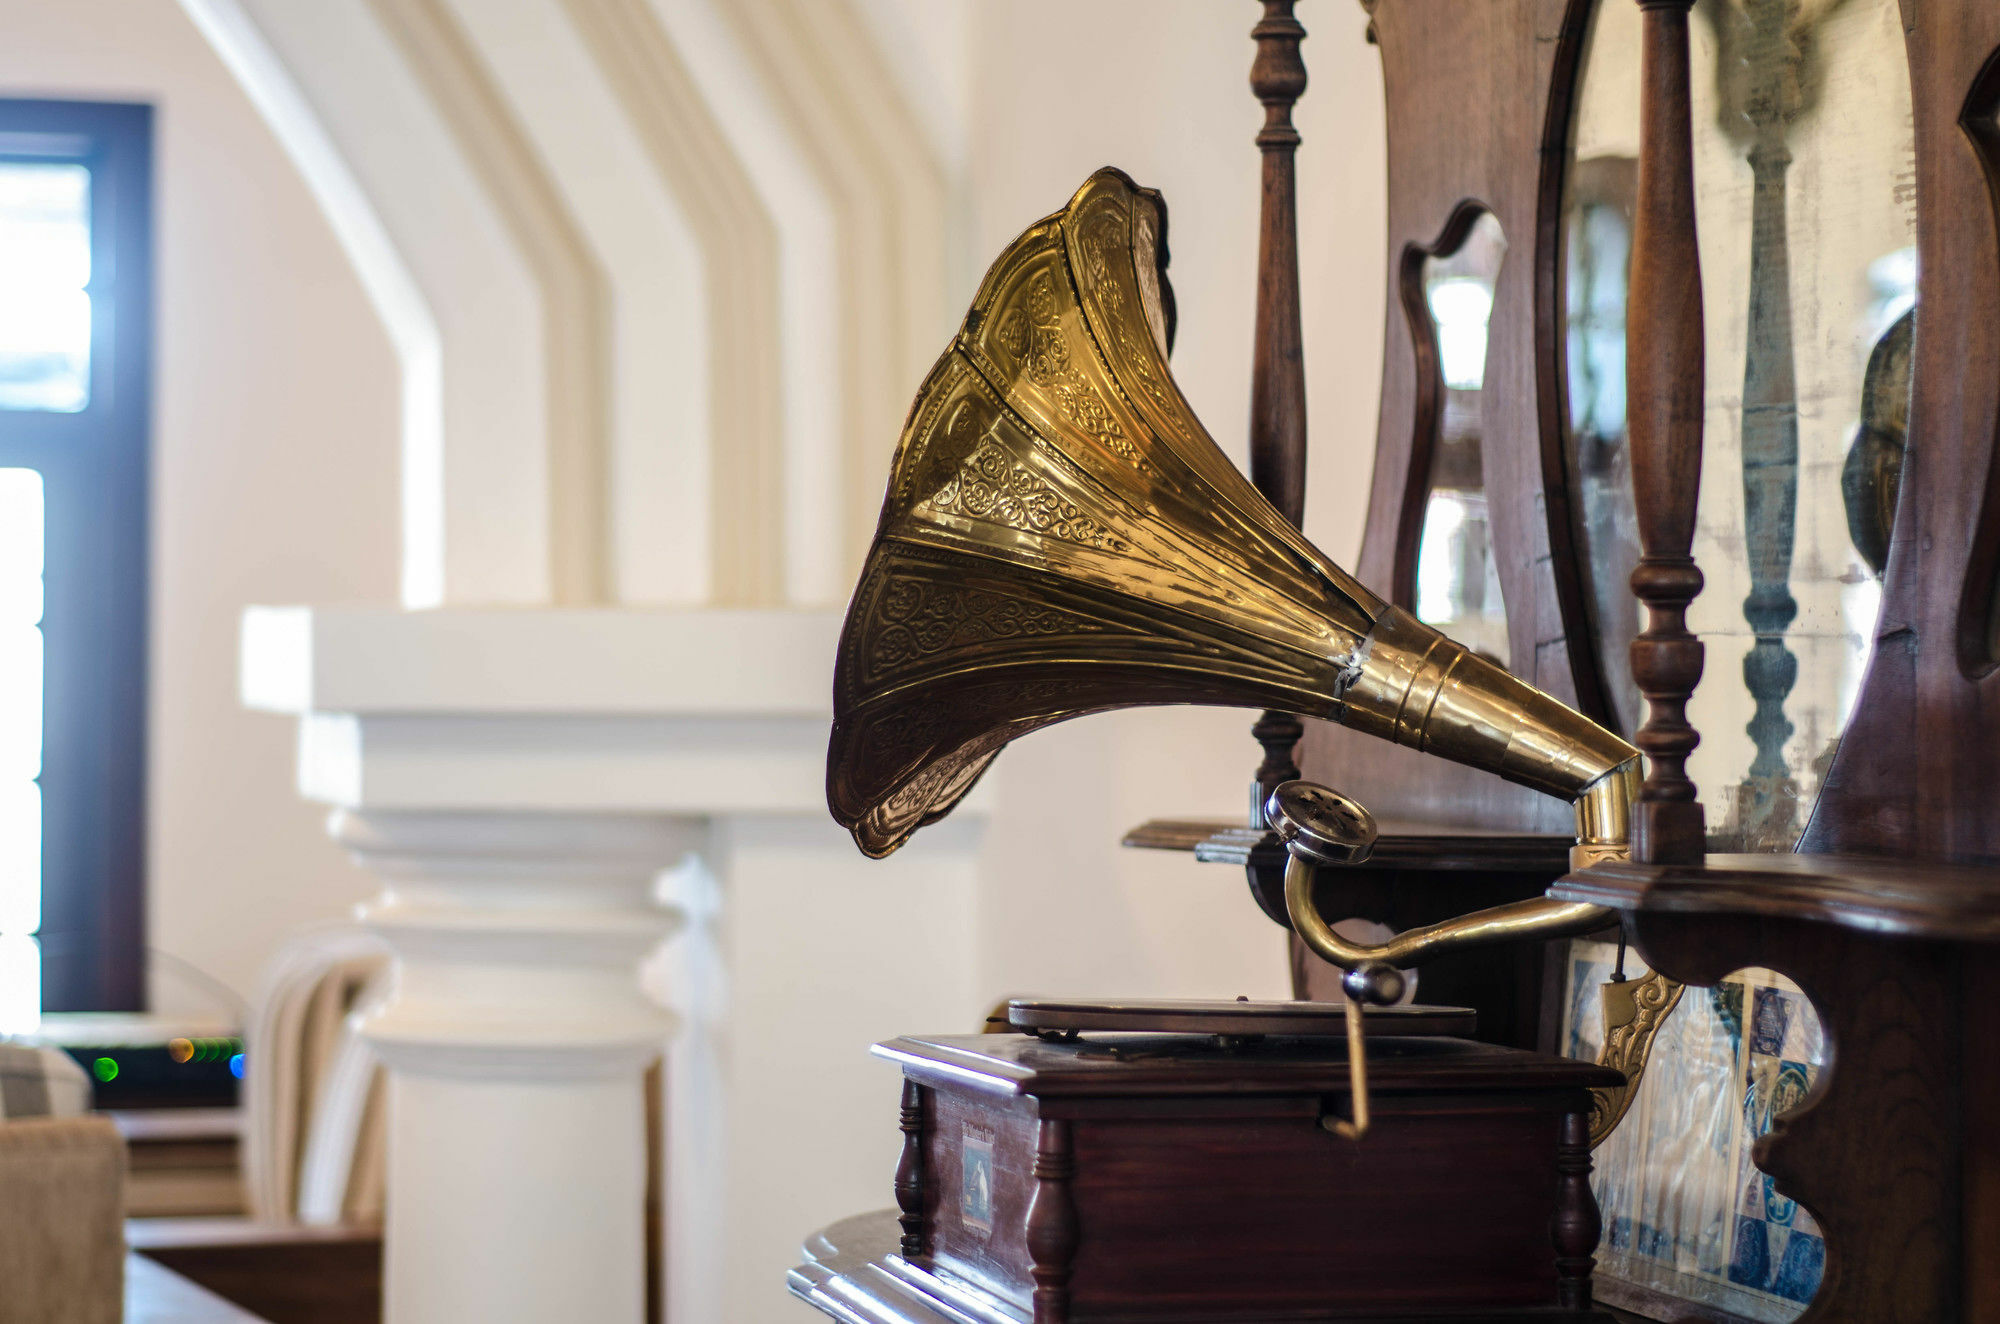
point(1277, 374)
point(910, 1173)
point(1052, 1230)
point(1663, 374)
point(1578, 1224)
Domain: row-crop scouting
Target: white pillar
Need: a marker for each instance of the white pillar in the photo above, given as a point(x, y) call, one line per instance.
point(516, 1040)
point(516, 778)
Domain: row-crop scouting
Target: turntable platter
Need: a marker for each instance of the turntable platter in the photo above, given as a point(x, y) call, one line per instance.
point(1069, 1016)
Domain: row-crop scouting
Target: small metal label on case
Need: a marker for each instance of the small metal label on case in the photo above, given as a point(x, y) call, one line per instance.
point(975, 1187)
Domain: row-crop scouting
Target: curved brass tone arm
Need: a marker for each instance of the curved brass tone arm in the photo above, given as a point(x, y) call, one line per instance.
point(1538, 918)
point(1603, 822)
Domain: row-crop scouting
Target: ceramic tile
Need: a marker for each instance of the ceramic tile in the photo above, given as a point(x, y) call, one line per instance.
point(1686, 1210)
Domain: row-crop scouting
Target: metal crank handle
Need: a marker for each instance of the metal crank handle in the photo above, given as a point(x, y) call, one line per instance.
point(1357, 1077)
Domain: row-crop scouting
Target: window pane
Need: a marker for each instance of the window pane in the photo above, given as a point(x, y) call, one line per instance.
point(44, 275)
point(20, 858)
point(21, 544)
point(20, 984)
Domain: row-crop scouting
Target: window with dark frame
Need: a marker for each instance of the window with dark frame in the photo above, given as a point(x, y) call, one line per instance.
point(75, 386)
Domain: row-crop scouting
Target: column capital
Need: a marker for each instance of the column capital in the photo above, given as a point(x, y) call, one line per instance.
point(518, 937)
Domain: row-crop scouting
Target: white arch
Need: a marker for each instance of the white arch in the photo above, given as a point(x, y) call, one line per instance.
point(657, 309)
point(807, 525)
point(568, 280)
point(492, 490)
point(405, 314)
point(661, 275)
point(667, 111)
point(888, 196)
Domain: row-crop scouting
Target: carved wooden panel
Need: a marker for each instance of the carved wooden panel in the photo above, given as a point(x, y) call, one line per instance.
point(1515, 61)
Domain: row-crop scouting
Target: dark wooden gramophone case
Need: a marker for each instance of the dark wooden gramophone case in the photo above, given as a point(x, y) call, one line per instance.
point(1136, 1176)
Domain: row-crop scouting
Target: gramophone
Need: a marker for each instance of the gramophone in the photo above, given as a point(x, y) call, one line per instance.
point(1060, 537)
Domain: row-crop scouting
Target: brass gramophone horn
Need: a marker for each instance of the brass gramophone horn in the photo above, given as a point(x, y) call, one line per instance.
point(1061, 537)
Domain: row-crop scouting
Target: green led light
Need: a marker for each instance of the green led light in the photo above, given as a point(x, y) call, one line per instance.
point(105, 1069)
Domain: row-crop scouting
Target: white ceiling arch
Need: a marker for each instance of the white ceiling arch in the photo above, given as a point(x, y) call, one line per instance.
point(660, 274)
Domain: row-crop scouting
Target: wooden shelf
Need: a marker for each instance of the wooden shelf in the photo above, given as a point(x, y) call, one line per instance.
point(1400, 846)
point(1871, 894)
point(285, 1272)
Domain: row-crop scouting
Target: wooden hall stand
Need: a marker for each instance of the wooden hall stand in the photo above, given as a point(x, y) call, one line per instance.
point(1887, 914)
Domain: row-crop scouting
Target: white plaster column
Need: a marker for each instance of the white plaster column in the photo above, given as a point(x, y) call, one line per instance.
point(516, 1038)
point(518, 780)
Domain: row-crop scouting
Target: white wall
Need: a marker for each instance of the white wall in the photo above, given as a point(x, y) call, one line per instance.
point(280, 427)
point(1160, 88)
point(275, 472)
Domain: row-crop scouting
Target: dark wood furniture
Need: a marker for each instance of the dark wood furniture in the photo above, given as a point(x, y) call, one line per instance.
point(1146, 1177)
point(1664, 380)
point(1415, 876)
point(1890, 917)
point(1277, 376)
point(1916, 768)
point(155, 1294)
point(283, 1273)
point(1518, 61)
point(1895, 1150)
point(1886, 923)
point(1515, 60)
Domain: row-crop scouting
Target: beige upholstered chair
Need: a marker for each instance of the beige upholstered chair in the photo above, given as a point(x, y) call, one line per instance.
point(312, 1092)
point(62, 1195)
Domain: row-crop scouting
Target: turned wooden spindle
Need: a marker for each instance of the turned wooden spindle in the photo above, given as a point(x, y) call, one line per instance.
point(1578, 1224)
point(1663, 376)
point(910, 1173)
point(1052, 1230)
point(1277, 375)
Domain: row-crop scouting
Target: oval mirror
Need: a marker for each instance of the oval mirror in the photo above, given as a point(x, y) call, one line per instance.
point(1804, 163)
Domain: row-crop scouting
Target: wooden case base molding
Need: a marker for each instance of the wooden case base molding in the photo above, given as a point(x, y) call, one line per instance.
point(1168, 1178)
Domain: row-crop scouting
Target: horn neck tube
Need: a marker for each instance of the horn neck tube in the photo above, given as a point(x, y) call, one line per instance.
point(1409, 684)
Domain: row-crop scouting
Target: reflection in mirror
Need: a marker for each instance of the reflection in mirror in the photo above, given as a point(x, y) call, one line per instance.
point(1457, 581)
point(1873, 474)
point(1686, 1210)
point(1602, 193)
point(1805, 170)
point(1805, 166)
